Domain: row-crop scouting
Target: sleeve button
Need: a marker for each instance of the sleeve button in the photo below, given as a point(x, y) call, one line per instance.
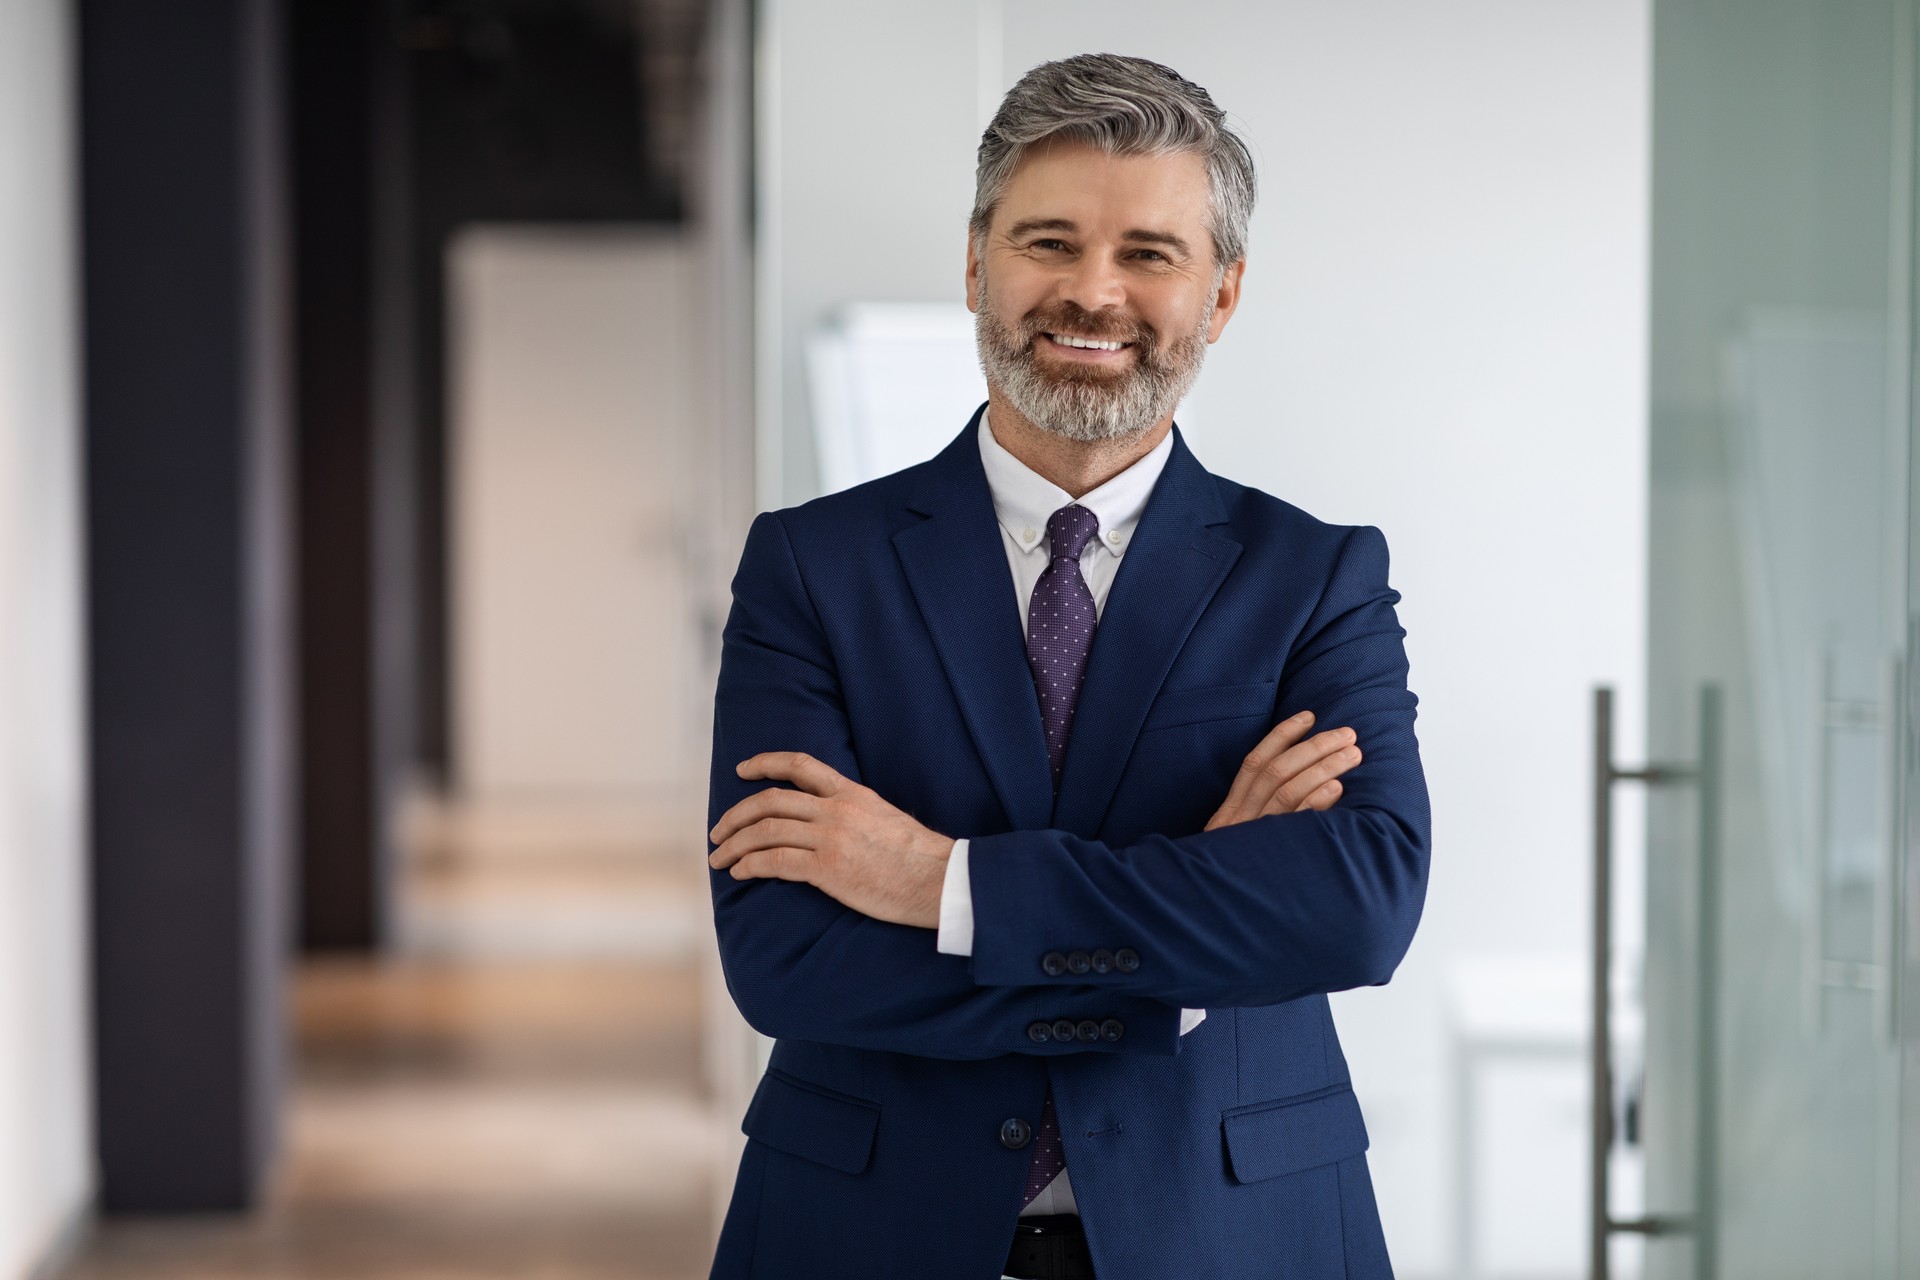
point(1112, 1029)
point(1078, 962)
point(1088, 1031)
point(1126, 959)
point(1053, 964)
point(1063, 1029)
point(1039, 1032)
point(1102, 961)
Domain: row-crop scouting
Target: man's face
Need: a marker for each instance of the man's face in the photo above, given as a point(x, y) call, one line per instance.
point(1112, 250)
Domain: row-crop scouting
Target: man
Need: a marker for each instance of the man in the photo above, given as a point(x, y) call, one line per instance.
point(1053, 876)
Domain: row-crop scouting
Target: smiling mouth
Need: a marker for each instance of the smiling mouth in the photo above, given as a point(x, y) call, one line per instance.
point(1086, 344)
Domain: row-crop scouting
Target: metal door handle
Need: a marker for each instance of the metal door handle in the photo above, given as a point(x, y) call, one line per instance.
point(1602, 1225)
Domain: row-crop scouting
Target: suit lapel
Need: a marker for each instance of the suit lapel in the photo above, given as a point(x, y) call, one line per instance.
point(1165, 582)
point(957, 570)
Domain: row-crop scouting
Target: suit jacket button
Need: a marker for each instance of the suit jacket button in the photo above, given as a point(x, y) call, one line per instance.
point(1112, 1029)
point(1078, 962)
point(1088, 1031)
point(1039, 1032)
point(1063, 1029)
point(1053, 963)
point(1102, 961)
point(1126, 959)
point(1015, 1133)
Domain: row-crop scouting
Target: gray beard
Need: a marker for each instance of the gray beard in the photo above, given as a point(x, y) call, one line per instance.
point(1099, 406)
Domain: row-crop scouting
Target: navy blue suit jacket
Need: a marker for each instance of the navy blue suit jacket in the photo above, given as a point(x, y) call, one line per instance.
point(877, 630)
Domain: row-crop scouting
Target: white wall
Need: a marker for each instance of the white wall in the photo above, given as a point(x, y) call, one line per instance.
point(1443, 334)
point(45, 1143)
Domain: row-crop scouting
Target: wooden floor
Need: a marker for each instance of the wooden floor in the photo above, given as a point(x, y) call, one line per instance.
point(519, 1093)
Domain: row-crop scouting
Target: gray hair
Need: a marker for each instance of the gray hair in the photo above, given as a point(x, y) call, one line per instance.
point(1126, 106)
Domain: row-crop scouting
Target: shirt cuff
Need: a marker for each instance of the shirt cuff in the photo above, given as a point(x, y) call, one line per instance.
point(956, 906)
point(1191, 1018)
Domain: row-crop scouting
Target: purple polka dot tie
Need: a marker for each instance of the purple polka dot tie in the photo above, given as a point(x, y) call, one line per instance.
point(1060, 622)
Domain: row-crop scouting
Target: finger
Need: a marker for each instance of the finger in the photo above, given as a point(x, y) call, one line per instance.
point(774, 802)
point(1304, 783)
point(1283, 768)
point(1323, 797)
point(767, 833)
point(774, 864)
point(815, 777)
point(1278, 739)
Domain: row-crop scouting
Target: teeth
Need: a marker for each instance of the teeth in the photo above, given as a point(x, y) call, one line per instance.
point(1091, 344)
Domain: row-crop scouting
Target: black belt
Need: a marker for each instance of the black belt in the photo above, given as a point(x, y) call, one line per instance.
point(1049, 1247)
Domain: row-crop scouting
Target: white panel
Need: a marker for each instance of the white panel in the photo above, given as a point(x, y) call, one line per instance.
point(885, 378)
point(45, 1143)
point(574, 494)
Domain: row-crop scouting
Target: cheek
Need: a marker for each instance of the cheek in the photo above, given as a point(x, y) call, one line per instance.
point(1172, 318)
point(1013, 300)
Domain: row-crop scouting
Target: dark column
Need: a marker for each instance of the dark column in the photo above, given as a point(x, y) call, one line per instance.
point(190, 612)
point(348, 700)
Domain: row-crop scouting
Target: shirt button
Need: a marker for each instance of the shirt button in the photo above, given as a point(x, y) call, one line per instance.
point(1113, 537)
point(1078, 962)
point(1028, 535)
point(1088, 1031)
point(1053, 964)
point(1126, 959)
point(1102, 961)
point(1039, 1032)
point(1063, 1029)
point(1112, 1029)
point(1015, 1133)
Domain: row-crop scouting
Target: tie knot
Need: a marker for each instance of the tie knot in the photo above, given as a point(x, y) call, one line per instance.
point(1070, 529)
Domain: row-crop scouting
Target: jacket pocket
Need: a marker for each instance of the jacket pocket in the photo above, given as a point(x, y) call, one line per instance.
point(812, 1122)
point(1287, 1135)
point(1176, 707)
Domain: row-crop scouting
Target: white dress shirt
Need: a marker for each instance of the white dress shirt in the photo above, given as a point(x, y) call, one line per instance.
point(1023, 499)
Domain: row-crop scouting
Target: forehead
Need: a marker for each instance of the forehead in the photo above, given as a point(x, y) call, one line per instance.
point(1098, 191)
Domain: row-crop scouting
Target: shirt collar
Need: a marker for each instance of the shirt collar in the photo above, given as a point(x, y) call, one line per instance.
point(1023, 499)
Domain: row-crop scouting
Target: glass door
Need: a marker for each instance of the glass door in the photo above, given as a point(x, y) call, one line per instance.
point(1782, 235)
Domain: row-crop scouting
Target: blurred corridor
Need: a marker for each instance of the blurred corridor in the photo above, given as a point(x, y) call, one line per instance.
point(387, 387)
point(516, 1092)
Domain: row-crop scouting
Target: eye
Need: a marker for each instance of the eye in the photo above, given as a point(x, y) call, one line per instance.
point(1050, 245)
point(1151, 255)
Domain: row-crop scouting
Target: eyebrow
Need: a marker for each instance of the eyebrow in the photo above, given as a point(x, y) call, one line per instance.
point(1027, 226)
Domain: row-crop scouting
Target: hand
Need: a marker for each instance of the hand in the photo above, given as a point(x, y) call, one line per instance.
point(835, 835)
point(1285, 775)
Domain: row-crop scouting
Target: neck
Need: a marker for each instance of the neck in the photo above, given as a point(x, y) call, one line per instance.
point(1078, 466)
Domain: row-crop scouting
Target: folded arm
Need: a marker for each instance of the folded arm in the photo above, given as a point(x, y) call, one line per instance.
point(801, 965)
point(1256, 912)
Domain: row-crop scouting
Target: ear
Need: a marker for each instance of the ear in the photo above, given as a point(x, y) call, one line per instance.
point(1226, 299)
point(973, 272)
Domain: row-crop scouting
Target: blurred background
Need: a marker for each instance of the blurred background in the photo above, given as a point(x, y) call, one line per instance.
point(385, 389)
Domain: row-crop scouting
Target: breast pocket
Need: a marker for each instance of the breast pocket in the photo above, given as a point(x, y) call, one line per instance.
point(1177, 708)
point(1190, 747)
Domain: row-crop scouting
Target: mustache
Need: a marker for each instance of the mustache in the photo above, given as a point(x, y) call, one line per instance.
point(1076, 321)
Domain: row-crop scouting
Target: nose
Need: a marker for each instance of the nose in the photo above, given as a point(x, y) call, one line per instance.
point(1094, 283)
